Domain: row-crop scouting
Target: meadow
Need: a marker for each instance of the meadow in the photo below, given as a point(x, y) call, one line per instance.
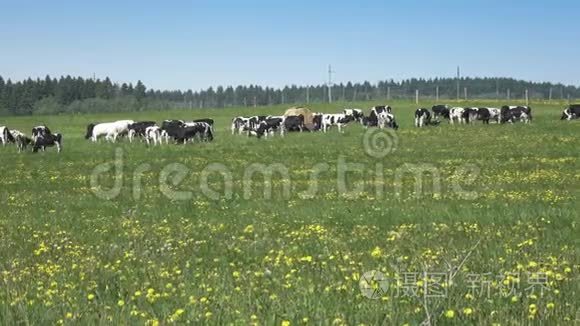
point(487, 235)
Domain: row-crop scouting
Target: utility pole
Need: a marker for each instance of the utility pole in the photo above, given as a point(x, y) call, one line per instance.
point(508, 94)
point(308, 94)
point(458, 74)
point(416, 96)
point(550, 96)
point(465, 93)
point(527, 97)
point(330, 72)
point(388, 93)
point(496, 89)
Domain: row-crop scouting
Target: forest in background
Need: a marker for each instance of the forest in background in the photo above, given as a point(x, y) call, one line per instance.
point(90, 95)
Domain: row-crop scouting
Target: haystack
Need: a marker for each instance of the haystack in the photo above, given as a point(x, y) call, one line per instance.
point(308, 115)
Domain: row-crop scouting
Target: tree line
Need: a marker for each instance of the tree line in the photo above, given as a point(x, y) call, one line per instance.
point(87, 95)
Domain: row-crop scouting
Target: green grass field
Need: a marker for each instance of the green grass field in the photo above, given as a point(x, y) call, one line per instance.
point(494, 240)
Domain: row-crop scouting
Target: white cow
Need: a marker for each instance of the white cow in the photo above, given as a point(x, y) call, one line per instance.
point(111, 130)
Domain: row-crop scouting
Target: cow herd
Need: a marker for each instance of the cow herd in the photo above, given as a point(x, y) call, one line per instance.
point(182, 132)
point(41, 138)
point(177, 130)
point(507, 114)
point(263, 126)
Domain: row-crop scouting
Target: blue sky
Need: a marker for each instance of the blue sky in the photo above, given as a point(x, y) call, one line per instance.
point(196, 44)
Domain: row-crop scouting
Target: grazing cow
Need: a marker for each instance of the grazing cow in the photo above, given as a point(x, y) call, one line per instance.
point(22, 141)
point(138, 129)
point(470, 115)
point(571, 112)
point(183, 134)
point(486, 114)
point(183, 131)
point(339, 120)
point(210, 122)
point(512, 114)
point(440, 111)
point(6, 135)
point(293, 123)
point(40, 130)
point(456, 113)
point(269, 126)
point(379, 116)
point(111, 130)
point(240, 124)
point(357, 114)
point(422, 117)
point(42, 141)
point(153, 134)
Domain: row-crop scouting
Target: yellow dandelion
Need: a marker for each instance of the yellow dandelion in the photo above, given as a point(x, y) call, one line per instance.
point(550, 305)
point(90, 296)
point(467, 311)
point(285, 323)
point(120, 303)
point(450, 314)
point(533, 309)
point(376, 252)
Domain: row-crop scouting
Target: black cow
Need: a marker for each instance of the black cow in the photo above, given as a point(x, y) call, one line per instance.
point(138, 128)
point(512, 114)
point(183, 131)
point(48, 140)
point(440, 111)
point(293, 123)
point(571, 112)
point(469, 115)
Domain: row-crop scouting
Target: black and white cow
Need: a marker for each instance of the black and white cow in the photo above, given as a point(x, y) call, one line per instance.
point(339, 120)
point(512, 114)
point(153, 134)
point(293, 123)
point(47, 140)
point(182, 131)
point(138, 129)
point(22, 142)
point(380, 116)
point(487, 114)
point(571, 112)
point(422, 117)
point(209, 121)
point(470, 114)
point(6, 136)
point(240, 124)
point(440, 111)
point(456, 113)
point(40, 130)
point(357, 114)
point(268, 127)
